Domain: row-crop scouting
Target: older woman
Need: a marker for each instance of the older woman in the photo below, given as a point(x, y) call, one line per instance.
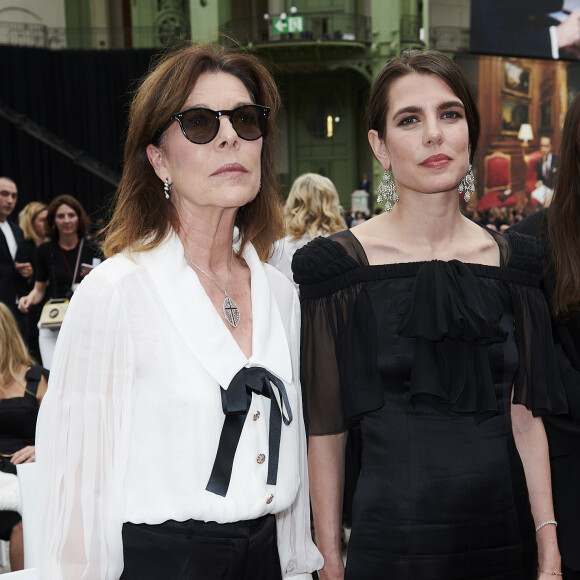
point(312, 209)
point(431, 332)
point(557, 228)
point(172, 444)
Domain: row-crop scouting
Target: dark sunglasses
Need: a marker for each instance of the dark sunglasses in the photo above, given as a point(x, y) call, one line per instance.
point(201, 125)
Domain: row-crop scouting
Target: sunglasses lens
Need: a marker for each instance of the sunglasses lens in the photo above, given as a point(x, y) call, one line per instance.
point(249, 121)
point(200, 125)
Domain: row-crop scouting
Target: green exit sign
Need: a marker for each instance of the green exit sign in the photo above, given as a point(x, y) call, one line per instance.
point(288, 25)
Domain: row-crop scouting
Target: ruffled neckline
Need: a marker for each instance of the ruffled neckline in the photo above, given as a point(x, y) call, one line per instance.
point(453, 321)
point(326, 265)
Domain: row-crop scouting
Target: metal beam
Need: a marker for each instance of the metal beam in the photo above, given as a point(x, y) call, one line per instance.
point(78, 156)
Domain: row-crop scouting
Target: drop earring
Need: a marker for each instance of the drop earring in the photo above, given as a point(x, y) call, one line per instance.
point(467, 184)
point(387, 192)
point(167, 188)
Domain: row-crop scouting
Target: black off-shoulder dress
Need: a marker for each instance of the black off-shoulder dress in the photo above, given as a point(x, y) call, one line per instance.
point(428, 357)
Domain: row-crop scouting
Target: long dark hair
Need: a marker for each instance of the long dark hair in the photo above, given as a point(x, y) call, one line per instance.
point(564, 220)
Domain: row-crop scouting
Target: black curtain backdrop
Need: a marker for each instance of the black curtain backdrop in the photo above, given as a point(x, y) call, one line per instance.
point(82, 97)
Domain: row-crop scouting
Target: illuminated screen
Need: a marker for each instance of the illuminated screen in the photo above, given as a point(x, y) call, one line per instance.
point(526, 28)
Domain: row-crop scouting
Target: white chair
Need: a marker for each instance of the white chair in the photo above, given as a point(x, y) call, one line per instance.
point(28, 574)
point(27, 482)
point(4, 553)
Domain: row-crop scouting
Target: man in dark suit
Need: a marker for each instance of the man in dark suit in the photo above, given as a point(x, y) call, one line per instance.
point(14, 267)
point(546, 169)
point(525, 28)
point(364, 183)
point(547, 165)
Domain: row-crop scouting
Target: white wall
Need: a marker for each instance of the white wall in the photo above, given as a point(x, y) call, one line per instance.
point(450, 13)
point(49, 13)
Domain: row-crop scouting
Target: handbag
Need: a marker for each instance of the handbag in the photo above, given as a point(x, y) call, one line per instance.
point(53, 311)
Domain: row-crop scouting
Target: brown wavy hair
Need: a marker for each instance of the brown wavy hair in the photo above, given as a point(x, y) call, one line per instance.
point(142, 217)
point(429, 62)
point(564, 220)
point(69, 200)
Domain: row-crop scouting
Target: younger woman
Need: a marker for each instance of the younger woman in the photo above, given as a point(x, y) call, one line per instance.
point(433, 334)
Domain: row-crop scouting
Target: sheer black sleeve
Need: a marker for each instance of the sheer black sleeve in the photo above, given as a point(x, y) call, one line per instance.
point(339, 378)
point(537, 383)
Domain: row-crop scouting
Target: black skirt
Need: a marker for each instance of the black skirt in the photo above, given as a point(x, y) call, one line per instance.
point(195, 550)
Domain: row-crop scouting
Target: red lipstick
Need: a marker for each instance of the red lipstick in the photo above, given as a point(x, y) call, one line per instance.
point(436, 161)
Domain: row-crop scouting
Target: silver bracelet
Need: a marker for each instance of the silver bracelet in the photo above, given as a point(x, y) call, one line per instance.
point(547, 523)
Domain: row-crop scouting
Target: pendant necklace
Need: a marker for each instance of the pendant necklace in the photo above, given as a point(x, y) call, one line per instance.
point(229, 307)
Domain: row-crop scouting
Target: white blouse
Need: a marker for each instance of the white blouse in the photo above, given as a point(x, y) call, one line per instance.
point(129, 428)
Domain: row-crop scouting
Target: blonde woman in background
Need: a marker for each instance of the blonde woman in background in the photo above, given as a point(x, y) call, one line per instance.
point(311, 210)
point(22, 388)
point(32, 222)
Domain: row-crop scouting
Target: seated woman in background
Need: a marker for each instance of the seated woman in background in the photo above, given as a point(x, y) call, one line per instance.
point(557, 228)
point(61, 263)
point(22, 388)
point(311, 210)
point(32, 222)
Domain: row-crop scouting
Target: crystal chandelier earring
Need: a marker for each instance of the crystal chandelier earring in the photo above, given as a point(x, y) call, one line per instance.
point(387, 192)
point(167, 188)
point(467, 184)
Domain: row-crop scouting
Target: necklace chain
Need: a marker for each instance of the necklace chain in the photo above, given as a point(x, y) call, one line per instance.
point(229, 307)
point(224, 290)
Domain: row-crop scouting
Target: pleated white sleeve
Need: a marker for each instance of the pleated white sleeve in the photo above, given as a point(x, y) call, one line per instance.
point(298, 554)
point(81, 441)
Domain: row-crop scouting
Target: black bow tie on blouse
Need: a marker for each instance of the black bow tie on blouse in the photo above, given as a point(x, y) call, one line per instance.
point(236, 402)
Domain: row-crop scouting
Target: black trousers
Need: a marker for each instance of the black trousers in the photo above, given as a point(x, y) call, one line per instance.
point(22, 321)
point(194, 550)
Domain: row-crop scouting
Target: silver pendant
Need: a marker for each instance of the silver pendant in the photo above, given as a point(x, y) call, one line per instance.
point(231, 311)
